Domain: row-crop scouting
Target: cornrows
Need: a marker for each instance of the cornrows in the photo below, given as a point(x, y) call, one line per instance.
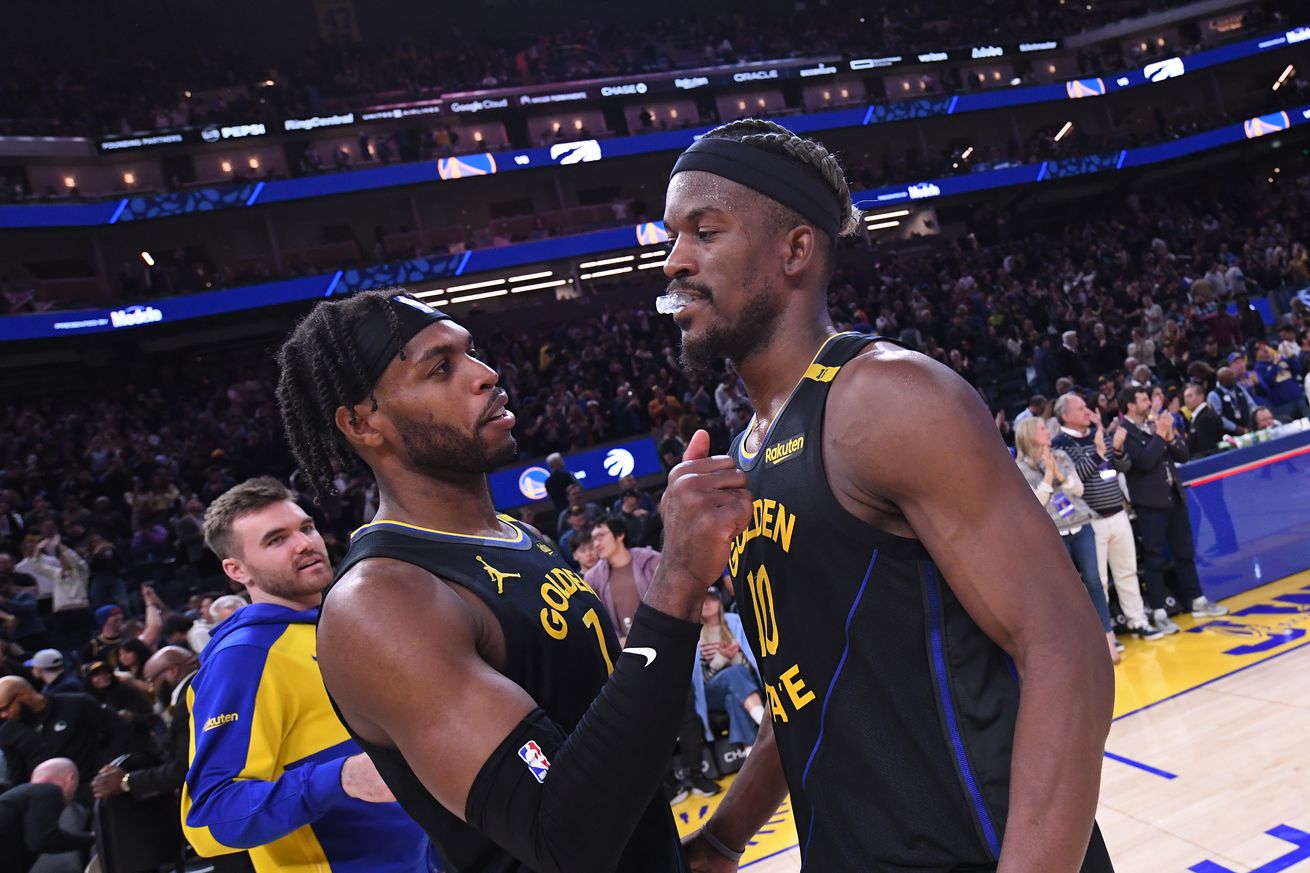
point(320, 371)
point(779, 140)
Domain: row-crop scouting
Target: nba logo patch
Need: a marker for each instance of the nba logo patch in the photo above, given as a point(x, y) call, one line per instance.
point(535, 758)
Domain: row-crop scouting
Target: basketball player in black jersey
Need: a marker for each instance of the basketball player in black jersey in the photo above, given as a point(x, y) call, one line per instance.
point(937, 681)
point(474, 667)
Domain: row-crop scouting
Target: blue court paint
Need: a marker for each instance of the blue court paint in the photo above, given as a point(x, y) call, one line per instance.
point(1164, 774)
point(1298, 838)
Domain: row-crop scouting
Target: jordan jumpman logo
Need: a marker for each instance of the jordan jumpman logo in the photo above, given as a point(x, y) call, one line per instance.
point(497, 576)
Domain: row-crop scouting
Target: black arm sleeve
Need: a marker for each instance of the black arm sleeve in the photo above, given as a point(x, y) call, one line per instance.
point(611, 765)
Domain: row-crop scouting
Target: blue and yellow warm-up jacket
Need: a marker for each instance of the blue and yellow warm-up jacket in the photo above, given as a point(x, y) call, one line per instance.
point(266, 755)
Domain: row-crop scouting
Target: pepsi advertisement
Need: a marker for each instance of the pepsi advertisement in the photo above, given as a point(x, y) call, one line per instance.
point(594, 468)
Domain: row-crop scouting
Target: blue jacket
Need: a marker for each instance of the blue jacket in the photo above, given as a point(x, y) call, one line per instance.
point(1281, 378)
point(733, 621)
point(266, 755)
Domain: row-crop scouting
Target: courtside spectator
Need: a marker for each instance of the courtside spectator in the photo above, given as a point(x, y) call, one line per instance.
point(92, 734)
point(1231, 399)
point(726, 677)
point(1206, 429)
point(1083, 438)
point(1052, 477)
point(1153, 447)
point(30, 813)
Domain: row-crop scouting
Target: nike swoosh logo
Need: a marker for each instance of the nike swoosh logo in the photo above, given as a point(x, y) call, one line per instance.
point(648, 654)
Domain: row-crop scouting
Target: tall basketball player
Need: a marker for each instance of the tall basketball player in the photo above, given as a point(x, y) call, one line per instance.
point(938, 687)
point(474, 667)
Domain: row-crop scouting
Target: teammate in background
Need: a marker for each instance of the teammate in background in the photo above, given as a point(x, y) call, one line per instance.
point(510, 724)
point(272, 770)
point(882, 589)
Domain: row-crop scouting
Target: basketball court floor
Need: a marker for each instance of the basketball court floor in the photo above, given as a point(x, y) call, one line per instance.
point(1207, 767)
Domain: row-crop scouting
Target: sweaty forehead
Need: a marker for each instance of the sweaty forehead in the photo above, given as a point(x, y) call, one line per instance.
point(695, 191)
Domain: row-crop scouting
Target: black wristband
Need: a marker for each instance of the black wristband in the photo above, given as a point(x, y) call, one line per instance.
point(527, 795)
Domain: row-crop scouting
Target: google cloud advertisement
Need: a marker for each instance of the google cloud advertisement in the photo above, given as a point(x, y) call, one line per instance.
point(594, 468)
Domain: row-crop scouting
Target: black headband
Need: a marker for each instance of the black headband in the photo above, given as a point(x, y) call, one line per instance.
point(777, 177)
point(374, 339)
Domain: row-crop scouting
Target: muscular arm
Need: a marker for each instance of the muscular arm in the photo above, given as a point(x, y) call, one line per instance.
point(755, 794)
point(979, 521)
point(451, 715)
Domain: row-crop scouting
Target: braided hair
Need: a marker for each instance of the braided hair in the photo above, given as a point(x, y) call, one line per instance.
point(773, 137)
point(320, 371)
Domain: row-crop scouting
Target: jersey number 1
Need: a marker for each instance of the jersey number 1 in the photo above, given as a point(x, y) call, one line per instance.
point(592, 621)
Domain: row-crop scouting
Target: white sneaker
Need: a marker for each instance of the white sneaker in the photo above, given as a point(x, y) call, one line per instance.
point(1163, 623)
point(1202, 608)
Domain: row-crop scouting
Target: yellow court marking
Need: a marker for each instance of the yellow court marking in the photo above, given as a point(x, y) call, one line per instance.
point(778, 835)
point(1263, 623)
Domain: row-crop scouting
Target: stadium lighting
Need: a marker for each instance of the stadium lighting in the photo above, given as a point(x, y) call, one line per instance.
point(148, 258)
point(538, 286)
point(899, 213)
point(453, 288)
point(226, 166)
point(601, 273)
point(673, 113)
point(651, 265)
point(884, 224)
point(606, 262)
point(1288, 72)
point(70, 182)
point(546, 274)
point(129, 178)
point(254, 163)
point(469, 298)
point(1064, 131)
point(964, 155)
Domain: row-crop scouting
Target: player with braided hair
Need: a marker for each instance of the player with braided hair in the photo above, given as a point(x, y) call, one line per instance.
point(882, 590)
point(506, 691)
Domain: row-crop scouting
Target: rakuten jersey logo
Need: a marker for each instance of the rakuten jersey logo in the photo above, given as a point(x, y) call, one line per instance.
point(134, 316)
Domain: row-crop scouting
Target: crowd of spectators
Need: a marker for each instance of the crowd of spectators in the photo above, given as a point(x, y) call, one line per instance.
point(1124, 307)
point(162, 86)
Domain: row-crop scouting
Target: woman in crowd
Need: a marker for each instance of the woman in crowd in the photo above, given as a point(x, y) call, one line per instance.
point(725, 679)
point(1051, 475)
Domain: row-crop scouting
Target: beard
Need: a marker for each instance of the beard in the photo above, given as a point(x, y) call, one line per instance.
point(719, 339)
point(438, 450)
point(289, 584)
